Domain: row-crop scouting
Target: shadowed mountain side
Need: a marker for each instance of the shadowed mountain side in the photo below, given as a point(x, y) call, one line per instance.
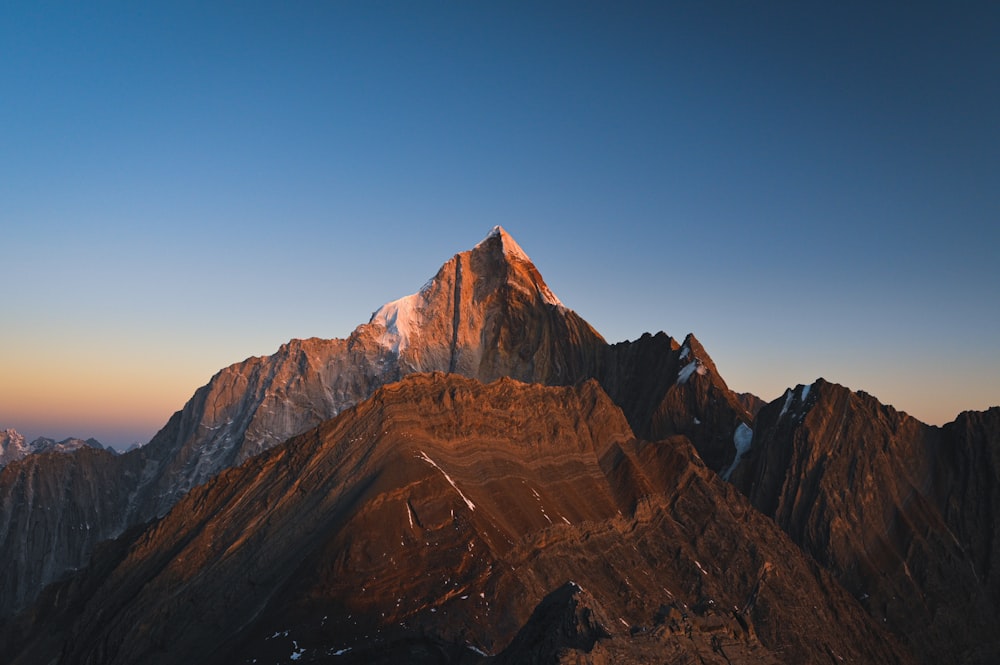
point(487, 313)
point(438, 520)
point(54, 508)
point(666, 390)
point(904, 514)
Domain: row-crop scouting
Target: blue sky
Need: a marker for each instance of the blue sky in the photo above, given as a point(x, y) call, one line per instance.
point(811, 188)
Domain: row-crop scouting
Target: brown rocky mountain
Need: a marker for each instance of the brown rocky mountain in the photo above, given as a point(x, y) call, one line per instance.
point(334, 502)
point(487, 313)
point(448, 521)
point(907, 516)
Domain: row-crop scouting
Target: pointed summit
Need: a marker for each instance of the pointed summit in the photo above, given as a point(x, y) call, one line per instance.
point(521, 269)
point(474, 315)
point(507, 242)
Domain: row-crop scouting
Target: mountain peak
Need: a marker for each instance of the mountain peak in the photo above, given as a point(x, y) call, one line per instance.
point(497, 260)
point(510, 247)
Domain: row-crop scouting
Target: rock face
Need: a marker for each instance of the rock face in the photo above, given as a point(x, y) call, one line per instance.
point(446, 521)
point(486, 314)
point(904, 514)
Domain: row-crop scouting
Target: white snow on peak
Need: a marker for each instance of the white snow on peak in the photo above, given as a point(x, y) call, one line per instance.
point(400, 318)
point(742, 438)
point(805, 393)
point(692, 367)
point(685, 350)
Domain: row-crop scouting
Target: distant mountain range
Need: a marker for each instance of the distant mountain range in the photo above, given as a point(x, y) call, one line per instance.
point(13, 446)
point(475, 475)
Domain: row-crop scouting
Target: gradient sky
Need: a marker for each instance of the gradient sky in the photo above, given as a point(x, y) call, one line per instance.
point(812, 188)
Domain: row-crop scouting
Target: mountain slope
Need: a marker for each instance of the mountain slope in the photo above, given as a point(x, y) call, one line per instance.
point(53, 507)
point(905, 515)
point(443, 520)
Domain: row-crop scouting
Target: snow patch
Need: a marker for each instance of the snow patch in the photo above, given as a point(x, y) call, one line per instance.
point(805, 393)
point(788, 402)
point(742, 438)
point(400, 319)
point(693, 367)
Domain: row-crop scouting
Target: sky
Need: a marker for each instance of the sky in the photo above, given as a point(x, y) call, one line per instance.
point(812, 188)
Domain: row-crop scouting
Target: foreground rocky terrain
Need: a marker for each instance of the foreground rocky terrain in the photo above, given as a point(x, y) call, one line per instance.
point(448, 520)
point(475, 475)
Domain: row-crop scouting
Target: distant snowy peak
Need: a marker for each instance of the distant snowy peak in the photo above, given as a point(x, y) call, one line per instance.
point(13, 446)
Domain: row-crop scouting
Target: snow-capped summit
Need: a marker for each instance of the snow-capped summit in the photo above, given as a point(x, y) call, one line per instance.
point(461, 293)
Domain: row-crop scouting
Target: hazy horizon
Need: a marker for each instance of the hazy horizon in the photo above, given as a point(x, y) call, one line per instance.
point(810, 190)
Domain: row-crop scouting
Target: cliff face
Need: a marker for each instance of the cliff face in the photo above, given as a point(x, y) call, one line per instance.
point(904, 514)
point(444, 520)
